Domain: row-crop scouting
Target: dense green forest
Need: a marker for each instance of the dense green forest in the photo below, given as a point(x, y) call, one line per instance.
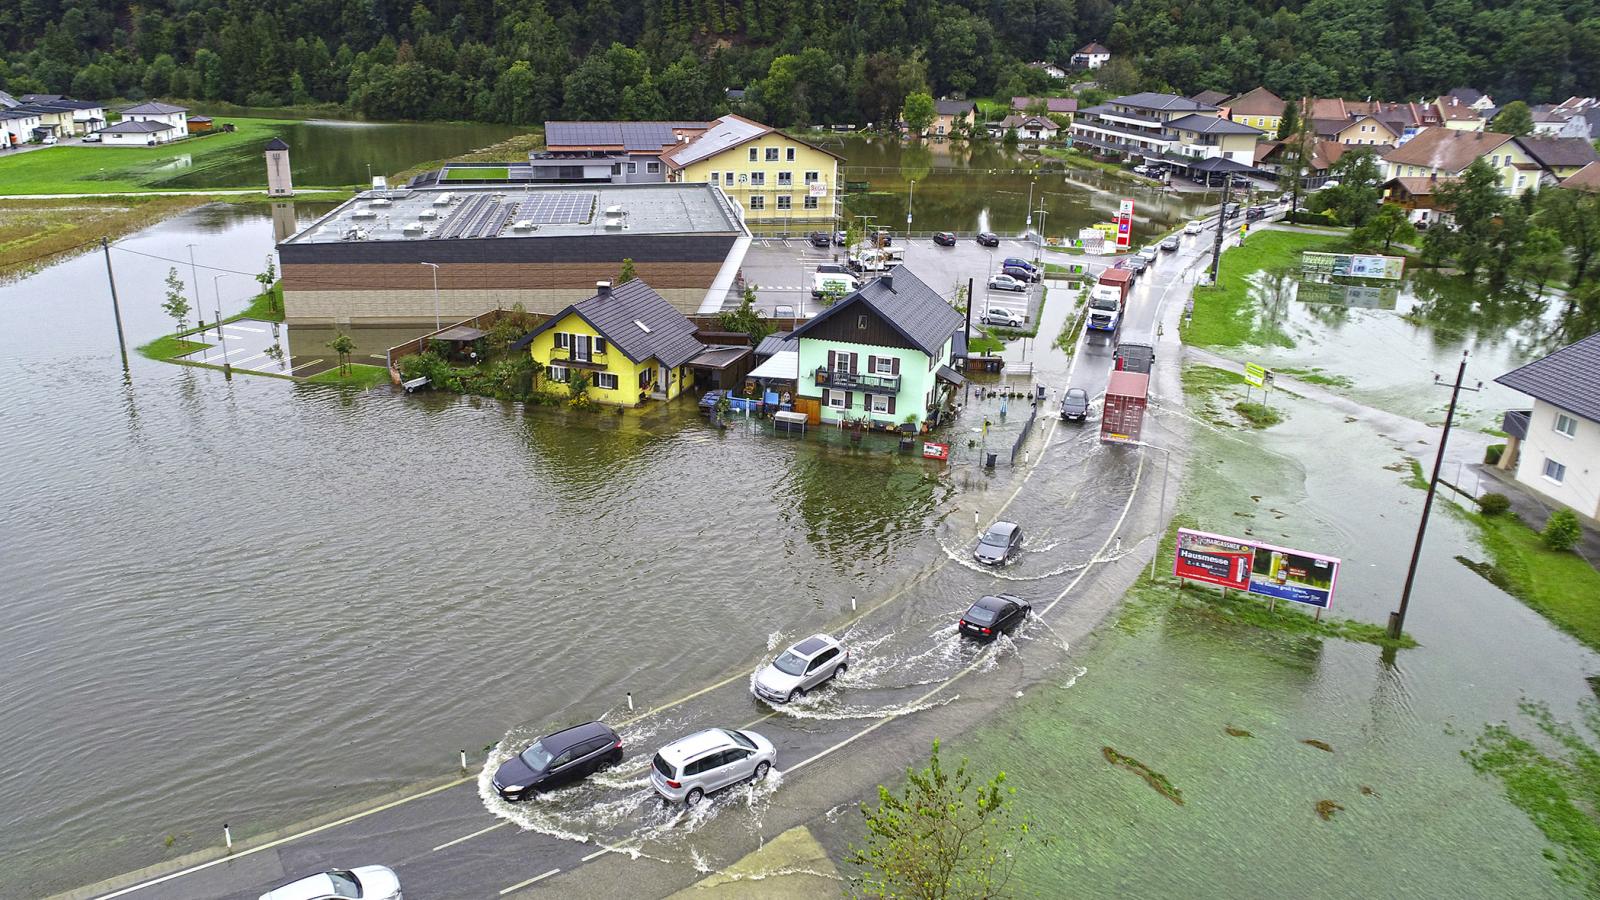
point(801, 61)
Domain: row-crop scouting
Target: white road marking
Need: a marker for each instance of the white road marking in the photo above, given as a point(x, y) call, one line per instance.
point(597, 854)
point(303, 365)
point(469, 837)
point(243, 328)
point(286, 839)
point(523, 884)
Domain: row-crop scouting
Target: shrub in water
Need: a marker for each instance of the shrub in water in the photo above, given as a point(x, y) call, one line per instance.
point(1562, 531)
point(1492, 454)
point(1493, 504)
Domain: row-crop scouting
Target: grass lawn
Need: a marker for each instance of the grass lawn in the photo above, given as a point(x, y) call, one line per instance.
point(362, 376)
point(1225, 313)
point(170, 347)
point(475, 173)
point(92, 170)
point(986, 343)
point(1559, 585)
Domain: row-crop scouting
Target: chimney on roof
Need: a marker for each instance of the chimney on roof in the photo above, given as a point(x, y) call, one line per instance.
point(888, 279)
point(603, 288)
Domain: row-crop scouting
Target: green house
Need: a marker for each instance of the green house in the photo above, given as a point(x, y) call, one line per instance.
point(882, 356)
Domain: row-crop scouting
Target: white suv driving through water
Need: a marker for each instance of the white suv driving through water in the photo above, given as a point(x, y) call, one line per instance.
point(690, 768)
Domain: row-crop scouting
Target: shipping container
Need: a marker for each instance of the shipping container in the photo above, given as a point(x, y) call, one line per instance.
point(1122, 416)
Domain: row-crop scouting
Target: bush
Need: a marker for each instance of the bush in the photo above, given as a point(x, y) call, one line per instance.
point(1311, 218)
point(1492, 504)
point(1492, 454)
point(1562, 531)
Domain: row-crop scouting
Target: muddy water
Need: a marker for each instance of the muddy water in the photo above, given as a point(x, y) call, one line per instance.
point(1162, 688)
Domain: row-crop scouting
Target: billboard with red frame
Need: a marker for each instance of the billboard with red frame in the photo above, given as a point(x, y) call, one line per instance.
point(1265, 569)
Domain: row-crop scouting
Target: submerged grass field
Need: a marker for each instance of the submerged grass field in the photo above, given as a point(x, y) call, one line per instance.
point(1225, 313)
point(1560, 585)
point(103, 169)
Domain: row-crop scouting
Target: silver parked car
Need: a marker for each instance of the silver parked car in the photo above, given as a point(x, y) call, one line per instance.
point(689, 768)
point(801, 668)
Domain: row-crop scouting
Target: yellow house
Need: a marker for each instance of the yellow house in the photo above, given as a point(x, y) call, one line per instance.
point(1258, 108)
point(773, 177)
point(629, 343)
point(1367, 131)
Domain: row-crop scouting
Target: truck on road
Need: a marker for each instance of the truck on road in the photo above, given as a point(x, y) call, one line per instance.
point(1122, 412)
point(1108, 299)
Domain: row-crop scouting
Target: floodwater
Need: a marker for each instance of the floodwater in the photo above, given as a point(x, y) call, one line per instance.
point(333, 153)
point(256, 601)
point(985, 186)
point(1162, 688)
point(1388, 341)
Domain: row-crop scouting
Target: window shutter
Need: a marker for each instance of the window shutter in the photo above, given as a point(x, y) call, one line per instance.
point(599, 345)
point(894, 367)
point(825, 398)
point(854, 359)
point(833, 360)
point(872, 363)
point(891, 404)
point(849, 399)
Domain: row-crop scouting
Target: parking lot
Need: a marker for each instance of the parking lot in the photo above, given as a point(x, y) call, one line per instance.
point(781, 270)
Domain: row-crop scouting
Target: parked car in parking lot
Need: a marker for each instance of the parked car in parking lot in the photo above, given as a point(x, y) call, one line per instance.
point(1026, 276)
point(1075, 405)
point(988, 239)
point(944, 238)
point(1171, 243)
point(839, 238)
point(360, 883)
point(992, 615)
point(802, 667)
point(91, 138)
point(1002, 541)
point(1003, 282)
point(558, 760)
point(821, 239)
point(999, 315)
point(1034, 272)
point(1193, 228)
point(691, 767)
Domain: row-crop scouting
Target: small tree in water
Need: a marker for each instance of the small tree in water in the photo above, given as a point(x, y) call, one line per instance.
point(265, 278)
point(176, 304)
point(343, 345)
point(745, 318)
point(941, 838)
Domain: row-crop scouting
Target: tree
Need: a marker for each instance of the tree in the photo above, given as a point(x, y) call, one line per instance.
point(1355, 198)
point(266, 278)
point(746, 318)
point(627, 274)
point(176, 304)
point(1541, 258)
point(942, 837)
point(1388, 226)
point(1289, 123)
point(1561, 530)
point(918, 112)
point(1475, 202)
point(343, 345)
point(1515, 119)
point(1575, 215)
point(1298, 145)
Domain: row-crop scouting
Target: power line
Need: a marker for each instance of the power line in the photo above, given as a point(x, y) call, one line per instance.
point(48, 254)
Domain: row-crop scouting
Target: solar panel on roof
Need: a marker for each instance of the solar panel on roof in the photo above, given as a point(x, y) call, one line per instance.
point(564, 208)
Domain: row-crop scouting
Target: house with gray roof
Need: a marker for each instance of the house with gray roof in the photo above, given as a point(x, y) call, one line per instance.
point(949, 114)
point(881, 357)
point(1554, 447)
point(626, 343)
point(147, 124)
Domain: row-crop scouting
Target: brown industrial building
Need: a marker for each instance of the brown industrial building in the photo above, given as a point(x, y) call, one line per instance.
point(374, 259)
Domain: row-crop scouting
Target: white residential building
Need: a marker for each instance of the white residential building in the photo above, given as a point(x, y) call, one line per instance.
point(148, 124)
point(1555, 446)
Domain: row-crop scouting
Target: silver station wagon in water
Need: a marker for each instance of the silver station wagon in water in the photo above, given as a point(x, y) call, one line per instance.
point(800, 668)
point(689, 768)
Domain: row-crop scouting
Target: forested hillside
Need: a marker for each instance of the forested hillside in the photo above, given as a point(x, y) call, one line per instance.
point(800, 60)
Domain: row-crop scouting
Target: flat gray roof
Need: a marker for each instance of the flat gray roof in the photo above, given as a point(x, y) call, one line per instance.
point(445, 212)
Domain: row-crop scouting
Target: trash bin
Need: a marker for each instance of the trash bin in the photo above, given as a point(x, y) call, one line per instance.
point(988, 462)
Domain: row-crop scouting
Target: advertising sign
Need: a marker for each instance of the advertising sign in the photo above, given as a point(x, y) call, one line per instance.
point(1293, 575)
point(1214, 560)
point(817, 189)
point(1353, 265)
point(1254, 375)
point(932, 450)
point(1124, 224)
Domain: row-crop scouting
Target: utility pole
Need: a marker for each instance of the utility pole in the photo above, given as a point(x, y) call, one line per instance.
point(194, 282)
point(910, 199)
point(1397, 619)
point(116, 309)
point(1029, 226)
point(435, 267)
point(216, 287)
point(1222, 220)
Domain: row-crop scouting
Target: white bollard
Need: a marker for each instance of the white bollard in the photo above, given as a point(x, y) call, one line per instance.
point(852, 604)
point(463, 760)
point(227, 836)
point(974, 518)
point(630, 701)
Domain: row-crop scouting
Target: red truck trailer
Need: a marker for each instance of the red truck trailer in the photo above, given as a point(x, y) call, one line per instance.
point(1122, 413)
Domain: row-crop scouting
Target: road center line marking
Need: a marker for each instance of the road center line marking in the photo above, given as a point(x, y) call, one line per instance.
point(286, 839)
point(469, 837)
point(523, 884)
point(598, 853)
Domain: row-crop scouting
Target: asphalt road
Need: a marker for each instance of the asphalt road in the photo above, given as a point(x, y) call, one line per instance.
point(1083, 505)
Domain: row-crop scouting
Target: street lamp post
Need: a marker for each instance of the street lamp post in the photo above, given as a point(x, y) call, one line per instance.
point(910, 199)
point(1166, 463)
point(1028, 227)
point(216, 287)
point(435, 268)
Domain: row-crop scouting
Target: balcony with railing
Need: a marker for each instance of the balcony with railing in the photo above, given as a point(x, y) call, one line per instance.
point(842, 379)
point(591, 359)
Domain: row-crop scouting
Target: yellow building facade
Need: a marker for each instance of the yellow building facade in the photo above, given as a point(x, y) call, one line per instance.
point(773, 177)
point(629, 343)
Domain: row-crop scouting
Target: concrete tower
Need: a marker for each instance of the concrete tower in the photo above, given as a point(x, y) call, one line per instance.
point(278, 181)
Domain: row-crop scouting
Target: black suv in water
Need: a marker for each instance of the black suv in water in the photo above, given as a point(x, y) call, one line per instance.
point(558, 760)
